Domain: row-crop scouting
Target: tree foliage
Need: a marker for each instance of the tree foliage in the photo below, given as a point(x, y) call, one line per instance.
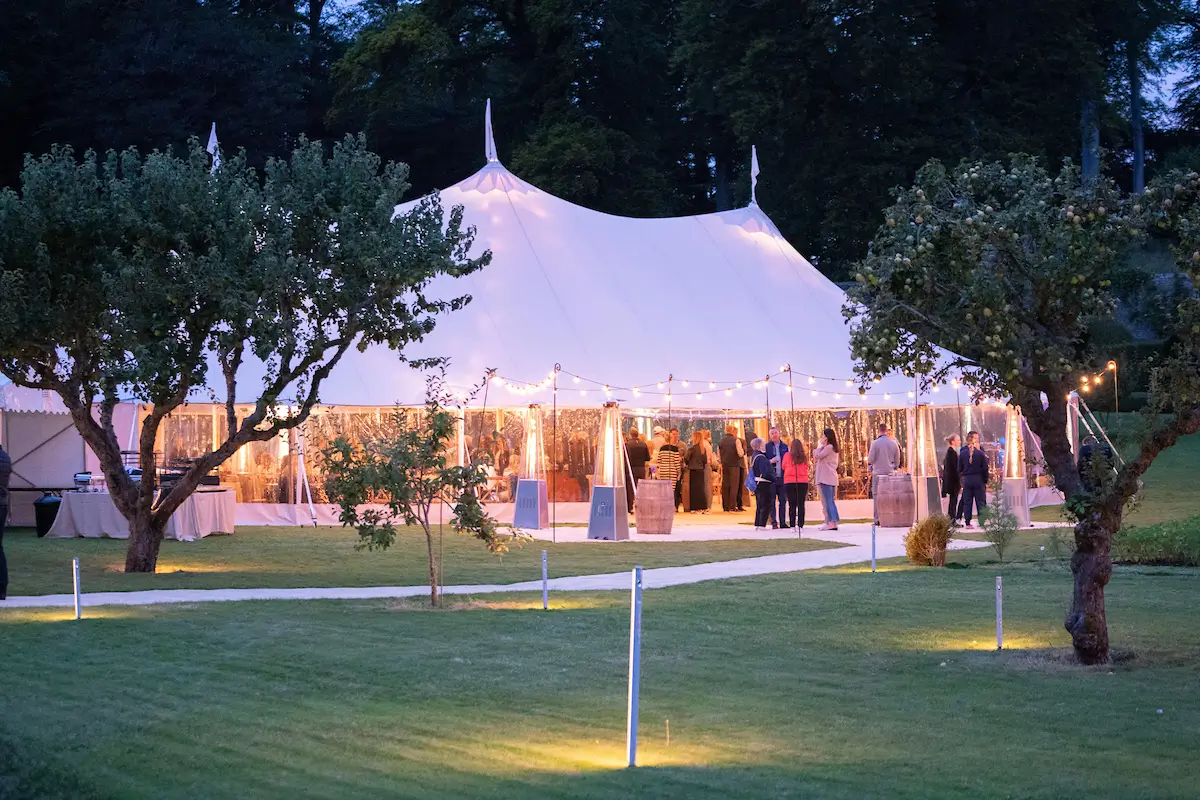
point(408, 473)
point(998, 275)
point(626, 106)
point(146, 276)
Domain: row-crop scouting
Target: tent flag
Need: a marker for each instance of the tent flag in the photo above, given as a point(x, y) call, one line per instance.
point(489, 144)
point(214, 149)
point(753, 174)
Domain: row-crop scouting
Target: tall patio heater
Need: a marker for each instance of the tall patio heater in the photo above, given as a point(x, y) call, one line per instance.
point(609, 518)
point(532, 508)
point(1014, 494)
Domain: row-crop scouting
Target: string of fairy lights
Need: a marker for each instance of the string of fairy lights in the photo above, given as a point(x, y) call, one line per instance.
point(672, 389)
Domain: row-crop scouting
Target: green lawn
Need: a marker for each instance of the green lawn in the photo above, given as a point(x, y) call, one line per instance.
point(1170, 491)
point(300, 557)
point(836, 683)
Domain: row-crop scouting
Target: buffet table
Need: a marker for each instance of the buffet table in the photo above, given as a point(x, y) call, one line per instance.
point(93, 515)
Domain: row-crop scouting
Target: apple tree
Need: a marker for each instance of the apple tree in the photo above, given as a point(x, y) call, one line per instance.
point(996, 274)
point(150, 276)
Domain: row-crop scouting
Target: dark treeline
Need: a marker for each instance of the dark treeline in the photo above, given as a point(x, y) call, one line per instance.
point(633, 107)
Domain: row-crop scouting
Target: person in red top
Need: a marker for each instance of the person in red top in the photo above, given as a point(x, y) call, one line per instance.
point(795, 482)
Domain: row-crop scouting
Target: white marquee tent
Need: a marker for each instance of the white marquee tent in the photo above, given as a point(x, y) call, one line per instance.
point(709, 305)
point(711, 299)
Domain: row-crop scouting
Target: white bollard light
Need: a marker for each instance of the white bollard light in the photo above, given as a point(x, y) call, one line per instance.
point(999, 613)
point(635, 664)
point(545, 585)
point(872, 547)
point(75, 580)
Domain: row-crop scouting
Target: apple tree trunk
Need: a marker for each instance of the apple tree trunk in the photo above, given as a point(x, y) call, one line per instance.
point(1092, 567)
point(145, 535)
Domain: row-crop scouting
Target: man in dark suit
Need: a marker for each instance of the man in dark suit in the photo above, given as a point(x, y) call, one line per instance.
point(775, 451)
point(1095, 462)
point(973, 467)
point(733, 465)
point(639, 457)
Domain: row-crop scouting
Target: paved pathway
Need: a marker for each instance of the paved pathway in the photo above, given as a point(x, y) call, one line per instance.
point(889, 544)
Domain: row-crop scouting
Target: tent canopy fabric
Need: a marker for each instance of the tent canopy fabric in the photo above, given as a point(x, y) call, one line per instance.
point(625, 302)
point(21, 398)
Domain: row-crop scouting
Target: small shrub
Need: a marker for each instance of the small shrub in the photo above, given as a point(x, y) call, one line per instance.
point(998, 522)
point(925, 543)
point(1172, 544)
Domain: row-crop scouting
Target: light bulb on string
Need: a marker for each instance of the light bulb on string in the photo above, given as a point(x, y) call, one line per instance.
point(936, 387)
point(576, 379)
point(712, 384)
point(814, 392)
point(685, 384)
point(789, 389)
point(668, 397)
point(837, 395)
point(887, 396)
point(739, 384)
point(910, 394)
point(729, 392)
point(583, 392)
point(637, 392)
point(660, 384)
point(697, 395)
point(849, 383)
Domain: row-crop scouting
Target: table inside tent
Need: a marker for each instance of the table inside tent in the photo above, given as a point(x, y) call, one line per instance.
point(94, 515)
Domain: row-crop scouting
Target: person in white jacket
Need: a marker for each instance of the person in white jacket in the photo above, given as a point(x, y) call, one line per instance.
point(826, 458)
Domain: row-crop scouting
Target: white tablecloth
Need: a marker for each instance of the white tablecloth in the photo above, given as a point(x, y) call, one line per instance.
point(93, 515)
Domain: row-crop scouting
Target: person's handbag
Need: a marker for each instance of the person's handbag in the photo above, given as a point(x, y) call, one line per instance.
point(751, 481)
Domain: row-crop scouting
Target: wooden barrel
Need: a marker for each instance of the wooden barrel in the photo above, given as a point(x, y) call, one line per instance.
point(897, 504)
point(655, 506)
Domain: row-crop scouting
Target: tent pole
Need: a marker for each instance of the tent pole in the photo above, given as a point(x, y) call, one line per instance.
point(767, 384)
point(487, 379)
point(312, 510)
point(137, 410)
point(670, 397)
point(553, 459)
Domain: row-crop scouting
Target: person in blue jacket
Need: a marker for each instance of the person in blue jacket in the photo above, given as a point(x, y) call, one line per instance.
point(763, 473)
point(973, 468)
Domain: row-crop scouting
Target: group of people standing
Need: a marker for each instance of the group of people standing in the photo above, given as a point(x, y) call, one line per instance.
point(776, 473)
point(780, 476)
point(965, 475)
point(691, 467)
